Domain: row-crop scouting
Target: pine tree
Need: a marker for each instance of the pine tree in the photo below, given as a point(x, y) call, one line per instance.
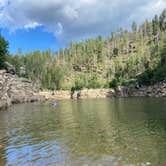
point(3, 51)
point(155, 25)
point(163, 52)
point(134, 27)
point(149, 29)
point(155, 22)
point(163, 20)
point(99, 49)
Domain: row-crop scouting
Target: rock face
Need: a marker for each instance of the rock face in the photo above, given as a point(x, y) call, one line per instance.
point(157, 90)
point(14, 90)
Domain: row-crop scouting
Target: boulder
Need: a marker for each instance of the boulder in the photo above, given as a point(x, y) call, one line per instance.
point(157, 90)
point(14, 90)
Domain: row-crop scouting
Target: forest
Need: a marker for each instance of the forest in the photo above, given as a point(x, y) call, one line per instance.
point(124, 57)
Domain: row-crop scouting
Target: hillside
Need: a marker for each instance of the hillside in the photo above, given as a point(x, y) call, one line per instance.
point(137, 56)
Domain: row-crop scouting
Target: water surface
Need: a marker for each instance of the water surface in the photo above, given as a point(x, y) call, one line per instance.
point(113, 132)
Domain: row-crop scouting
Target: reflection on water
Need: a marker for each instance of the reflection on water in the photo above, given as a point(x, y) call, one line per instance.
point(116, 132)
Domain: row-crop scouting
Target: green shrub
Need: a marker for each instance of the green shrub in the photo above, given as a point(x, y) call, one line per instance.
point(113, 83)
point(3, 52)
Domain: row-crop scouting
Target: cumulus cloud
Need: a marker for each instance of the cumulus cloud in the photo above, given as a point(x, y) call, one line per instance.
point(73, 20)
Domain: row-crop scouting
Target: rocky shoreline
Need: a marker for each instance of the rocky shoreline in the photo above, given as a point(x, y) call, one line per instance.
point(85, 93)
point(157, 90)
point(15, 90)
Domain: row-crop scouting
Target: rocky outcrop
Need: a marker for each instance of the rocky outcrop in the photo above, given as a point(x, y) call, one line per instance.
point(157, 90)
point(14, 90)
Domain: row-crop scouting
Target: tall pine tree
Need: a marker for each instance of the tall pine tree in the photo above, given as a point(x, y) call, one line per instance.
point(3, 51)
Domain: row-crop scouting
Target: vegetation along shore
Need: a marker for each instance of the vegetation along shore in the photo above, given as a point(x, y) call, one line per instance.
point(126, 63)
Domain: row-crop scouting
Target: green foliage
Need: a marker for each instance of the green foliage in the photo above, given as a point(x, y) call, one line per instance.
point(162, 20)
point(93, 82)
point(80, 82)
point(3, 51)
point(125, 57)
point(113, 83)
point(115, 51)
point(87, 81)
point(53, 77)
point(150, 77)
point(155, 25)
point(163, 51)
point(134, 27)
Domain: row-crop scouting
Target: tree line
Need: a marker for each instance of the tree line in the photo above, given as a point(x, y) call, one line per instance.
point(124, 57)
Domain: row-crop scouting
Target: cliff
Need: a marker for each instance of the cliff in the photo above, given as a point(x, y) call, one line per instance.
point(14, 90)
point(157, 90)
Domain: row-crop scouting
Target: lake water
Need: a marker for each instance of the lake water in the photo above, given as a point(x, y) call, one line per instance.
point(100, 132)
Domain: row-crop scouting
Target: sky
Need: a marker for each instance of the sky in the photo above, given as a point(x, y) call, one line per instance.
point(52, 24)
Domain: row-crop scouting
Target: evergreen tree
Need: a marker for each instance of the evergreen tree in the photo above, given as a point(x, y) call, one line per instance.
point(163, 20)
point(149, 28)
point(99, 49)
point(155, 25)
point(134, 27)
point(3, 51)
point(163, 52)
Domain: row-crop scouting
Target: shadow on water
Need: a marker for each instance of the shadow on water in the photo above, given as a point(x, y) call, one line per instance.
point(103, 131)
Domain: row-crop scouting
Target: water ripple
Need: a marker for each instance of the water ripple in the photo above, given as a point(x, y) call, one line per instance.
point(84, 132)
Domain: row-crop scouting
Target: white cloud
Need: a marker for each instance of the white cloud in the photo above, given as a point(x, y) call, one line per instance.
point(72, 20)
point(32, 25)
point(149, 10)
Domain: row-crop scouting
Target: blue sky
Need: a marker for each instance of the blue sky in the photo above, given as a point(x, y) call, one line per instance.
point(29, 40)
point(52, 24)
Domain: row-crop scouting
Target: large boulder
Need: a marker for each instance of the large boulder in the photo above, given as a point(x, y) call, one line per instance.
point(5, 101)
point(22, 71)
point(14, 90)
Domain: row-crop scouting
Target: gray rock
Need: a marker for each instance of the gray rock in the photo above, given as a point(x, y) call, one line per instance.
point(14, 90)
point(157, 90)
